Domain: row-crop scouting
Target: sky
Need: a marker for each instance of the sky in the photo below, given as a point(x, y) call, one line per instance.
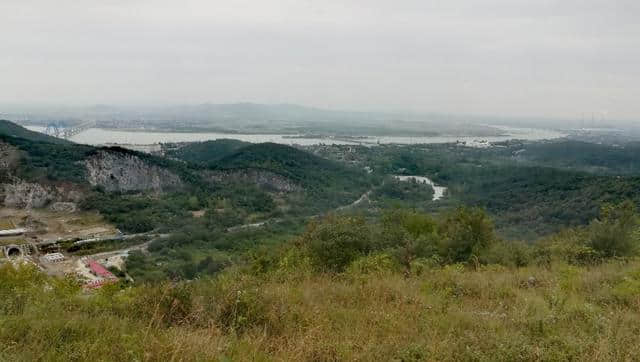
point(530, 58)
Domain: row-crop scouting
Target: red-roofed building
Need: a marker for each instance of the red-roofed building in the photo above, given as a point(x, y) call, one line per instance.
point(98, 270)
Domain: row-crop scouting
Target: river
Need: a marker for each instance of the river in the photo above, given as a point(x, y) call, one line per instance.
point(99, 136)
point(438, 191)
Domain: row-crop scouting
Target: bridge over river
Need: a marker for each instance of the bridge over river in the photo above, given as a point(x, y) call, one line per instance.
point(61, 131)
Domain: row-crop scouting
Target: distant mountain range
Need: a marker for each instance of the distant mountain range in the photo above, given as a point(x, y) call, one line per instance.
point(251, 117)
point(282, 117)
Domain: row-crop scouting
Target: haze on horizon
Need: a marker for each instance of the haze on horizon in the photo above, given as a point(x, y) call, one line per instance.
point(547, 58)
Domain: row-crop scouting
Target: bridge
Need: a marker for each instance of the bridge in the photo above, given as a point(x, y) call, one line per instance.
point(60, 130)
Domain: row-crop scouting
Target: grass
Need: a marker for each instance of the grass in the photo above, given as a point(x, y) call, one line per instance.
point(560, 312)
point(9, 241)
point(6, 224)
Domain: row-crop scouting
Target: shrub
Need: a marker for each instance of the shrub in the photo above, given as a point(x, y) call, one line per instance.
point(373, 264)
point(507, 253)
point(465, 232)
point(615, 233)
point(239, 304)
point(167, 304)
point(18, 286)
point(334, 243)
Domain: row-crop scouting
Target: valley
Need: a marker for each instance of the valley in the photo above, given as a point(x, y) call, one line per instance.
point(249, 237)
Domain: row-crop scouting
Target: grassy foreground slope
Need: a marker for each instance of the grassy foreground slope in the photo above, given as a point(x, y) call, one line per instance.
point(449, 313)
point(409, 288)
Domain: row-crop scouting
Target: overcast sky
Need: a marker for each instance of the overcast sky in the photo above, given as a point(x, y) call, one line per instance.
point(550, 58)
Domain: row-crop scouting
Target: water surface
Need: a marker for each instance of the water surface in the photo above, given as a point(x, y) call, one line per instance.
point(438, 191)
point(98, 136)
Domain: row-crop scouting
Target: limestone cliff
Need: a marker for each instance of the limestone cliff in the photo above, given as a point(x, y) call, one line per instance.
point(9, 156)
point(127, 172)
point(27, 195)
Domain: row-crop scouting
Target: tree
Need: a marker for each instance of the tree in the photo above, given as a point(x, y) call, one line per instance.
point(410, 234)
point(337, 241)
point(465, 232)
point(615, 233)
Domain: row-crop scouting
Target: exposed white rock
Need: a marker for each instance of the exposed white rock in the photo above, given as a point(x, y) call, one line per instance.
point(127, 172)
point(25, 195)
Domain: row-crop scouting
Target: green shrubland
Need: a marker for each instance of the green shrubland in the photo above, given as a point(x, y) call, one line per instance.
point(406, 287)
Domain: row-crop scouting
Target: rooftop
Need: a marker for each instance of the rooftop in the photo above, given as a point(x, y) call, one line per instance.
point(99, 270)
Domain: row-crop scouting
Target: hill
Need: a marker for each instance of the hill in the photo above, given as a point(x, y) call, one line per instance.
point(530, 193)
point(269, 118)
point(288, 161)
point(10, 129)
point(208, 152)
point(582, 156)
point(414, 288)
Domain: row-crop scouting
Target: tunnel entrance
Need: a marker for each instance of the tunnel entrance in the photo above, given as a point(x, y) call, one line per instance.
point(13, 251)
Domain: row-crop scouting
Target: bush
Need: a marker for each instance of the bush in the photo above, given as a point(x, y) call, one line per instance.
point(465, 232)
point(167, 304)
point(239, 304)
point(373, 264)
point(507, 253)
point(337, 241)
point(615, 233)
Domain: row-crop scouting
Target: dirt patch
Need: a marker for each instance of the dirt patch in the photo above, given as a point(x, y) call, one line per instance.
point(198, 214)
point(48, 224)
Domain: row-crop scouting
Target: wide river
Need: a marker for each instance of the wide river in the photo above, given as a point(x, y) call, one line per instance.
point(99, 136)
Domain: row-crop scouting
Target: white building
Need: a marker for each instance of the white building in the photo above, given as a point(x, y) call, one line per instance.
point(12, 232)
point(53, 257)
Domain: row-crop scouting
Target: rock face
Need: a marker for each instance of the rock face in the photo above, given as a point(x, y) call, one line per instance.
point(8, 158)
point(264, 179)
point(20, 194)
point(24, 195)
point(64, 206)
point(127, 172)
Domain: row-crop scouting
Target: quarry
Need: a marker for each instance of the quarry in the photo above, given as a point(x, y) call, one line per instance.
point(43, 237)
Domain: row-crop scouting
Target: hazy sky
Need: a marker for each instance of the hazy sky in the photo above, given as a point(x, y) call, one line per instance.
point(552, 58)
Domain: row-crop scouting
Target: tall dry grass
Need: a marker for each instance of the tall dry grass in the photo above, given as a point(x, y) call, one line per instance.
point(559, 312)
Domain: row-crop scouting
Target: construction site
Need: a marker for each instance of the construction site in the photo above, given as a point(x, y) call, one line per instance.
point(59, 243)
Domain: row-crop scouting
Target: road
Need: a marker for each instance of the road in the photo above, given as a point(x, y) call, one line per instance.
point(363, 198)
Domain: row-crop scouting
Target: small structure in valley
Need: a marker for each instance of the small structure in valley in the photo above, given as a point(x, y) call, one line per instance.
point(101, 274)
point(98, 270)
point(13, 232)
point(53, 258)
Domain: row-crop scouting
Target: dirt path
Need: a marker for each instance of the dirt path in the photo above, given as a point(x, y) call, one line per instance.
point(363, 198)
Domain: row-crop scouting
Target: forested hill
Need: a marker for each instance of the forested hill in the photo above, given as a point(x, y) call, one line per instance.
point(583, 156)
point(299, 166)
point(285, 160)
point(10, 129)
point(208, 152)
point(44, 158)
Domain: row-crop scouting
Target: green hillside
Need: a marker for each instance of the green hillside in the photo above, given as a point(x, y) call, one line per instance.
point(583, 156)
point(45, 158)
point(207, 152)
point(10, 129)
point(291, 162)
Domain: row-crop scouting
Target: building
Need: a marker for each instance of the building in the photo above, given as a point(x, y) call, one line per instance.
point(12, 232)
point(53, 257)
point(98, 270)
